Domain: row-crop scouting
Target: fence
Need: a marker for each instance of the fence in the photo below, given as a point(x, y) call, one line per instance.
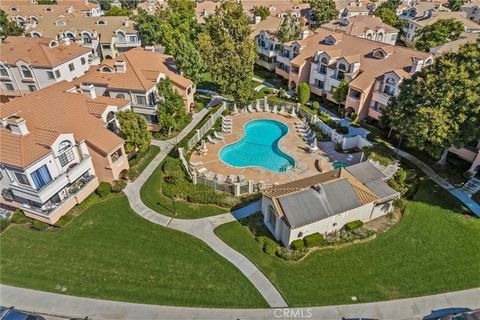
point(234, 189)
point(206, 127)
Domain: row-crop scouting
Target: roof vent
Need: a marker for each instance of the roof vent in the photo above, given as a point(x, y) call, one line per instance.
point(18, 125)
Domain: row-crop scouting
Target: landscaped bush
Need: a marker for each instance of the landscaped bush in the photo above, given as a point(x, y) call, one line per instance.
point(353, 116)
point(291, 255)
point(303, 92)
point(400, 203)
point(394, 185)
point(132, 173)
point(118, 185)
point(39, 225)
point(400, 176)
point(345, 236)
point(314, 240)
point(64, 220)
point(353, 225)
point(298, 244)
point(381, 153)
point(104, 189)
point(316, 105)
point(269, 248)
point(4, 223)
point(18, 217)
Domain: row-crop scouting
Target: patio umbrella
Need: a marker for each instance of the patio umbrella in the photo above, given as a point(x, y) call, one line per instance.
point(235, 107)
point(265, 102)
point(257, 106)
point(293, 114)
point(314, 143)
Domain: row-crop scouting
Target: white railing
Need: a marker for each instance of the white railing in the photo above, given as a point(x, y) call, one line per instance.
point(206, 127)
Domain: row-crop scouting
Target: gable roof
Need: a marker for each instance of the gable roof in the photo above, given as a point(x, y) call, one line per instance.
point(37, 51)
point(359, 25)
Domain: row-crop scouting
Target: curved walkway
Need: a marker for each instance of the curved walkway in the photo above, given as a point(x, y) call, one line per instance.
point(76, 307)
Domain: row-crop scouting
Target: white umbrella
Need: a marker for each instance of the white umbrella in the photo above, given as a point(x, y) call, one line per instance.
point(314, 144)
point(265, 102)
point(235, 107)
point(293, 114)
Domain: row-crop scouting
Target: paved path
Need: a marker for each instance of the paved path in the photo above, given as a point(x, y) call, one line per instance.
point(200, 228)
point(463, 197)
point(64, 305)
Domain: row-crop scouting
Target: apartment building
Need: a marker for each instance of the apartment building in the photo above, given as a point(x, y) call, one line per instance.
point(453, 46)
point(106, 37)
point(54, 151)
point(134, 76)
point(374, 70)
point(30, 64)
point(368, 27)
point(347, 9)
point(426, 13)
point(472, 10)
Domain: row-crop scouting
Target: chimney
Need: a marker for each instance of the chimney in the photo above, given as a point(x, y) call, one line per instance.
point(417, 65)
point(18, 125)
point(305, 34)
point(258, 19)
point(120, 66)
point(88, 90)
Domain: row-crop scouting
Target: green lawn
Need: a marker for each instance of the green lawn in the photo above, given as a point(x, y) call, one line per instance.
point(138, 165)
point(433, 249)
point(153, 198)
point(109, 252)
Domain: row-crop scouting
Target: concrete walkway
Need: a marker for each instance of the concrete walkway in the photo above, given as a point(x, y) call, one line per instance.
point(463, 197)
point(200, 228)
point(76, 307)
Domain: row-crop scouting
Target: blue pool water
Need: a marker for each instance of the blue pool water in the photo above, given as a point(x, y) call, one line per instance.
point(259, 147)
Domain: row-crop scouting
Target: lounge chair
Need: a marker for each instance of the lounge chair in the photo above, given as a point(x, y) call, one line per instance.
point(310, 137)
point(275, 109)
point(218, 135)
point(241, 178)
point(212, 141)
point(282, 110)
point(231, 178)
point(226, 120)
point(257, 108)
point(196, 164)
point(226, 124)
point(267, 108)
point(226, 129)
point(202, 170)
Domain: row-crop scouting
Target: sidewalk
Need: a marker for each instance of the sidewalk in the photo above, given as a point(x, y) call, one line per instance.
point(64, 305)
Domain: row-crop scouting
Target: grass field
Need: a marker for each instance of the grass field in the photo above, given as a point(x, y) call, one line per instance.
point(109, 252)
point(433, 249)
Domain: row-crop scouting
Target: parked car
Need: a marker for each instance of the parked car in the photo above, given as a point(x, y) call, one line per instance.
point(12, 314)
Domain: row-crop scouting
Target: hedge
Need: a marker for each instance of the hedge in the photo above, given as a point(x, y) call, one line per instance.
point(4, 223)
point(19, 217)
point(297, 244)
point(39, 225)
point(314, 240)
point(104, 189)
point(353, 225)
point(64, 220)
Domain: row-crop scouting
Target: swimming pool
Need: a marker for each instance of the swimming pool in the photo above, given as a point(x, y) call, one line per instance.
point(259, 147)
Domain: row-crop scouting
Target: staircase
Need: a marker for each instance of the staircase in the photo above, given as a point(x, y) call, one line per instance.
point(471, 187)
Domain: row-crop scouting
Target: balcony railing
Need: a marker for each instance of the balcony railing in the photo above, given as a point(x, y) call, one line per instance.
point(125, 43)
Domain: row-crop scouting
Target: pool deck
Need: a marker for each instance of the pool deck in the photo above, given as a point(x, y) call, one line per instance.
point(292, 144)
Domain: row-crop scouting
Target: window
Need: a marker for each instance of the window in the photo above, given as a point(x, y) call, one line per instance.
point(389, 87)
point(319, 84)
point(323, 65)
point(32, 88)
point(41, 177)
point(120, 37)
point(9, 86)
point(70, 36)
point(57, 73)
point(342, 68)
point(116, 155)
point(66, 157)
point(82, 60)
point(22, 178)
point(86, 38)
point(106, 46)
point(272, 218)
point(380, 37)
point(120, 96)
point(141, 100)
point(132, 38)
point(71, 67)
point(50, 75)
point(26, 73)
point(3, 72)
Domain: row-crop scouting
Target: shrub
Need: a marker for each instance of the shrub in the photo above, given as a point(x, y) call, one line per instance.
point(316, 105)
point(171, 165)
point(353, 116)
point(314, 240)
point(269, 248)
point(291, 255)
point(297, 244)
point(39, 225)
point(400, 176)
point(18, 217)
point(104, 189)
point(132, 173)
point(352, 225)
point(394, 184)
point(119, 185)
point(303, 93)
point(64, 220)
point(400, 203)
point(4, 223)
point(381, 153)
point(338, 147)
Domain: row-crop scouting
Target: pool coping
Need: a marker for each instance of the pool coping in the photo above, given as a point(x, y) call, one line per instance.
point(279, 147)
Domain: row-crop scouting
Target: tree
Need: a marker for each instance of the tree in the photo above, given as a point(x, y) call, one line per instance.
point(389, 16)
point(188, 59)
point(340, 93)
point(438, 33)
point(7, 27)
point(261, 11)
point(105, 4)
point(303, 92)
point(131, 4)
point(439, 106)
point(229, 51)
point(134, 130)
point(455, 5)
point(117, 11)
point(323, 11)
point(290, 27)
point(171, 110)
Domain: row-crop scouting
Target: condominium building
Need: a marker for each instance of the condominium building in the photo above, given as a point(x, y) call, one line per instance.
point(373, 70)
point(54, 151)
point(347, 9)
point(453, 46)
point(29, 64)
point(472, 10)
point(368, 27)
point(134, 76)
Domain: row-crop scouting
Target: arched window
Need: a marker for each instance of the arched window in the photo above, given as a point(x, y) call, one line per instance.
point(380, 37)
point(369, 36)
point(390, 87)
point(36, 34)
point(70, 36)
point(106, 69)
point(342, 69)
point(60, 22)
point(3, 72)
point(120, 96)
point(323, 65)
point(34, 19)
point(49, 9)
point(101, 22)
point(65, 153)
point(86, 38)
point(26, 72)
point(120, 36)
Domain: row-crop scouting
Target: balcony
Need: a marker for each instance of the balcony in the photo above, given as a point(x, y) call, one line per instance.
point(281, 58)
point(316, 73)
point(94, 60)
point(76, 170)
point(266, 52)
point(127, 44)
point(381, 97)
point(375, 113)
point(353, 102)
point(282, 73)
